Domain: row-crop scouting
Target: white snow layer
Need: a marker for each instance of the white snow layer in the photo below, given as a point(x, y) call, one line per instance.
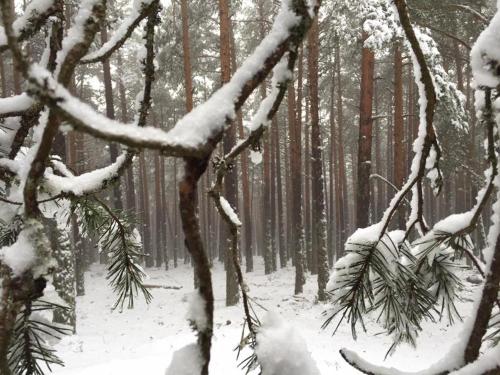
point(122, 30)
point(282, 350)
point(228, 210)
point(21, 255)
point(17, 103)
point(485, 55)
point(86, 182)
point(186, 361)
point(34, 8)
point(196, 311)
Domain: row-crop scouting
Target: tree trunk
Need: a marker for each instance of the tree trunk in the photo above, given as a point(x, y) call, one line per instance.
point(110, 112)
point(320, 263)
point(365, 138)
point(297, 229)
point(343, 196)
point(229, 140)
point(186, 51)
point(279, 202)
point(146, 219)
point(398, 130)
point(245, 189)
point(272, 179)
point(193, 170)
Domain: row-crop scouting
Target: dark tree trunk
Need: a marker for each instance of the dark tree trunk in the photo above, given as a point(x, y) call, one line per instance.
point(229, 140)
point(110, 112)
point(398, 130)
point(320, 261)
point(365, 138)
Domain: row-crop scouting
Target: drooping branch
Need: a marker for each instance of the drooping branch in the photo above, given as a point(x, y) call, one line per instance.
point(265, 113)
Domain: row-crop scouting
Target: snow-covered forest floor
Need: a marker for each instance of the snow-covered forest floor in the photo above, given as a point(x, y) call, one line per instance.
point(142, 340)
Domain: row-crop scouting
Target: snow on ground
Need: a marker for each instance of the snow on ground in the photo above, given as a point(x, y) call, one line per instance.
point(142, 340)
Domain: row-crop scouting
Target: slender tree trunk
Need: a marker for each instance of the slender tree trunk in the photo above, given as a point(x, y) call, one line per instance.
point(279, 198)
point(130, 185)
point(159, 213)
point(317, 177)
point(110, 112)
point(229, 140)
point(272, 207)
point(146, 218)
point(343, 196)
point(307, 189)
point(365, 138)
point(186, 50)
point(398, 130)
point(297, 229)
point(193, 170)
point(2, 76)
point(333, 234)
point(245, 189)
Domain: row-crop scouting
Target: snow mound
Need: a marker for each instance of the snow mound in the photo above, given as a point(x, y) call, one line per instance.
point(282, 350)
point(185, 361)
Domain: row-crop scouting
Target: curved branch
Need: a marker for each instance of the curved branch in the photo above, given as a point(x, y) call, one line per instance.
point(124, 31)
point(267, 109)
point(35, 16)
point(192, 135)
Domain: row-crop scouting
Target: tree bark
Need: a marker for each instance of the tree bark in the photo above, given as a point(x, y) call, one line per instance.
point(365, 137)
point(110, 112)
point(342, 196)
point(297, 229)
point(229, 140)
point(320, 260)
point(193, 170)
point(398, 129)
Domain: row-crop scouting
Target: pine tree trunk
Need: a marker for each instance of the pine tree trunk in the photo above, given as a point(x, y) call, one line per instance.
point(365, 138)
point(320, 254)
point(272, 207)
point(229, 140)
point(343, 196)
point(398, 130)
point(130, 185)
point(245, 189)
point(186, 51)
point(110, 112)
point(333, 234)
point(279, 197)
point(297, 229)
point(146, 219)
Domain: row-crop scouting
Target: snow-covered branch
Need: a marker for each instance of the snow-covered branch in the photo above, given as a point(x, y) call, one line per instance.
point(35, 16)
point(140, 10)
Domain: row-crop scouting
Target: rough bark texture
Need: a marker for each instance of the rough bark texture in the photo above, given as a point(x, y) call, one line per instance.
point(398, 130)
point(110, 112)
point(193, 170)
point(320, 258)
point(365, 138)
point(229, 140)
point(297, 229)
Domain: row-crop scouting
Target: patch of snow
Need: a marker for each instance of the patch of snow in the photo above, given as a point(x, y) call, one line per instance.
point(196, 311)
point(21, 255)
point(186, 361)
point(228, 210)
point(282, 350)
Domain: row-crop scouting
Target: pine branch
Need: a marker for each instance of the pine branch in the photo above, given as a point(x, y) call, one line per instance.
point(116, 237)
point(29, 347)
